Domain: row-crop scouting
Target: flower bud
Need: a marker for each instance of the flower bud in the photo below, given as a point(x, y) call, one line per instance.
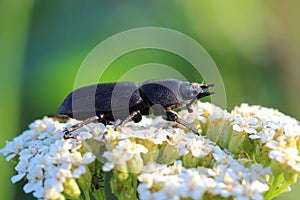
point(51, 193)
point(207, 161)
point(262, 154)
point(71, 188)
point(290, 176)
point(225, 136)
point(214, 129)
point(152, 153)
point(249, 146)
point(121, 171)
point(236, 142)
point(61, 197)
point(95, 147)
point(189, 161)
point(201, 126)
point(168, 155)
point(135, 164)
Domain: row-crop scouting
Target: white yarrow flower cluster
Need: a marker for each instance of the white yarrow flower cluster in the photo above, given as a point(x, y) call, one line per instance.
point(263, 122)
point(45, 159)
point(227, 178)
point(276, 131)
point(251, 152)
point(123, 152)
point(198, 146)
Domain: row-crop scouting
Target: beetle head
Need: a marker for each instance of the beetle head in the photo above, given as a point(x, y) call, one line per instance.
point(190, 91)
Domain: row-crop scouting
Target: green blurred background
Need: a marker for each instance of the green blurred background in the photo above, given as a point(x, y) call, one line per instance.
point(254, 43)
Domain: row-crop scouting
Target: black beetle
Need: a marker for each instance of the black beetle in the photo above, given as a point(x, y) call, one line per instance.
point(127, 101)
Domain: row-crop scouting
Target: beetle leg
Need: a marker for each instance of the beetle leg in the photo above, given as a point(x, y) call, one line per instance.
point(135, 116)
point(186, 124)
point(188, 106)
point(172, 116)
point(68, 131)
point(102, 119)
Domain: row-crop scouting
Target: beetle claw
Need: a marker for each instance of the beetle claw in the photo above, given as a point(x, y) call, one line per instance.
point(68, 134)
point(190, 110)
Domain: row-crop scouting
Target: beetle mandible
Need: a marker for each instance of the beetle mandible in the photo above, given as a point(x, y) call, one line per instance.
point(126, 101)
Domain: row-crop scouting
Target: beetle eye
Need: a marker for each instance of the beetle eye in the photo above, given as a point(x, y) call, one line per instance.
point(195, 91)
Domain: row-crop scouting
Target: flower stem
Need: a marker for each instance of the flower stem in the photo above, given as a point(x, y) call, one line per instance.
point(86, 195)
point(275, 182)
point(281, 188)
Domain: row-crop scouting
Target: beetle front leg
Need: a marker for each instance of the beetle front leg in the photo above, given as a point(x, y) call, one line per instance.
point(68, 131)
point(188, 106)
point(172, 116)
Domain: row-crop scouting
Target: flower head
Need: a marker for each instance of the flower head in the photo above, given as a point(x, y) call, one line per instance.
point(238, 155)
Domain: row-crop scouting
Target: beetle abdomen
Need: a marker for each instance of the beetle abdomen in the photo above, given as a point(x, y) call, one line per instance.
point(107, 98)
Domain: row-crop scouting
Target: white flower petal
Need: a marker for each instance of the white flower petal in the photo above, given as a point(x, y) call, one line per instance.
point(108, 166)
point(88, 158)
point(77, 172)
point(17, 177)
